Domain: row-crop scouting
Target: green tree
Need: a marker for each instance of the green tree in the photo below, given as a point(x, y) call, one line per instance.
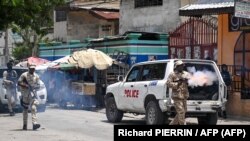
point(21, 52)
point(32, 17)
point(8, 10)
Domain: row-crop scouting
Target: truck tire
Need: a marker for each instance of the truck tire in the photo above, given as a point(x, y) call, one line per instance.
point(112, 113)
point(210, 119)
point(154, 115)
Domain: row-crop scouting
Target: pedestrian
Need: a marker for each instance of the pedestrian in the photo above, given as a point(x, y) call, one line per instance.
point(227, 79)
point(177, 80)
point(226, 75)
point(152, 58)
point(9, 82)
point(29, 82)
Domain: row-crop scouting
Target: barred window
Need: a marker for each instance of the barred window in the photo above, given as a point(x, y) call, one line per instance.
point(106, 27)
point(61, 16)
point(147, 3)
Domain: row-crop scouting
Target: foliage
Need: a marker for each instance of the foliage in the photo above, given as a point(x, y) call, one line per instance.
point(31, 17)
point(33, 13)
point(21, 52)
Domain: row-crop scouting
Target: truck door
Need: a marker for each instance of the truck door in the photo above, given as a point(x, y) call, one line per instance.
point(150, 82)
point(142, 87)
point(128, 90)
point(222, 91)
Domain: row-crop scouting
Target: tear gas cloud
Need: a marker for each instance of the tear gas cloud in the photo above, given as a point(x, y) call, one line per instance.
point(61, 91)
point(201, 78)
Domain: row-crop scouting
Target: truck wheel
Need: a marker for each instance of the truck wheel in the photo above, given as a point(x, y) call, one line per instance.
point(112, 113)
point(210, 119)
point(154, 115)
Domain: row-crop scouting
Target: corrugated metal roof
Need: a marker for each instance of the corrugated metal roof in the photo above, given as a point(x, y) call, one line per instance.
point(202, 7)
point(106, 15)
point(101, 4)
point(212, 1)
point(207, 6)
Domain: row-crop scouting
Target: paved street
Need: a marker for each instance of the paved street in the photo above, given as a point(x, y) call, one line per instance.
point(73, 125)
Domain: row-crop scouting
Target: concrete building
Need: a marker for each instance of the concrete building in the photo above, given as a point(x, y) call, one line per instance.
point(12, 39)
point(82, 19)
point(149, 16)
point(233, 49)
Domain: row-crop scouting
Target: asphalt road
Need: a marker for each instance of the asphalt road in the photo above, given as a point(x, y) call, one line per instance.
point(74, 125)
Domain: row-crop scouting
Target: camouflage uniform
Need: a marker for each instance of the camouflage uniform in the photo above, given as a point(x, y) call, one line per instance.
point(179, 95)
point(28, 97)
point(9, 82)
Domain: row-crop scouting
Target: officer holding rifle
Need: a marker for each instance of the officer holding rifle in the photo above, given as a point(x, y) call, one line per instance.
point(178, 81)
point(9, 82)
point(29, 82)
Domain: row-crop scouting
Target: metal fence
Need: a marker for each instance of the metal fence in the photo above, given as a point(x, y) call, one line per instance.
point(240, 80)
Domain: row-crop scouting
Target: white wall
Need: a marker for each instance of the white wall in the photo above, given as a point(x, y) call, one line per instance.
point(163, 18)
point(12, 39)
point(60, 29)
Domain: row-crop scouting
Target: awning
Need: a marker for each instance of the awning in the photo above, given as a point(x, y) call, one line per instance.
point(89, 58)
point(207, 7)
point(63, 66)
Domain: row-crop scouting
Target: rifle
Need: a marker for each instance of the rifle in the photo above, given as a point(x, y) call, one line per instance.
point(31, 89)
point(181, 80)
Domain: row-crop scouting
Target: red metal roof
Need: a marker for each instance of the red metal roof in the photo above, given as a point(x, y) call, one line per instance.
point(106, 15)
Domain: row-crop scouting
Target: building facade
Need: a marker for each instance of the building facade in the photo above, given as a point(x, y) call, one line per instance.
point(149, 16)
point(86, 19)
point(12, 38)
point(135, 45)
point(233, 49)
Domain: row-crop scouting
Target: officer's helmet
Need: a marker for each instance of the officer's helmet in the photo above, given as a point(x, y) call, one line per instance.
point(178, 63)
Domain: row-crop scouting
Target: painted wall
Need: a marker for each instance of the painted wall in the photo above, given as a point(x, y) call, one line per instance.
point(103, 33)
point(237, 106)
point(163, 18)
point(60, 31)
point(137, 50)
point(226, 41)
point(58, 50)
point(81, 25)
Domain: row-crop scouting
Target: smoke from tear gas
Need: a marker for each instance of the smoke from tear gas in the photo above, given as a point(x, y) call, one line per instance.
point(60, 90)
point(201, 78)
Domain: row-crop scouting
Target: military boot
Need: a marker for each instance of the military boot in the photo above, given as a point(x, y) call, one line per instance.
point(25, 127)
point(36, 126)
point(12, 113)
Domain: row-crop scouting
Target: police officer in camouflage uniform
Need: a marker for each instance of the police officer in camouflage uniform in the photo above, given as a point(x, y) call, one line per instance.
point(177, 80)
point(9, 82)
point(28, 82)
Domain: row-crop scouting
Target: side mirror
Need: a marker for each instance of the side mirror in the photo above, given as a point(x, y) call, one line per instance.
point(120, 78)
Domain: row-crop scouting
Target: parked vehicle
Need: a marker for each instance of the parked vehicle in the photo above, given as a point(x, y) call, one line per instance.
point(144, 91)
point(41, 93)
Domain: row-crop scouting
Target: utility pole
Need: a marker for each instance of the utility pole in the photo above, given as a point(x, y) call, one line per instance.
point(6, 47)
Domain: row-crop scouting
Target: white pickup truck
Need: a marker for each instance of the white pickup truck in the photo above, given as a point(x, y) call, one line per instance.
point(41, 92)
point(144, 91)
